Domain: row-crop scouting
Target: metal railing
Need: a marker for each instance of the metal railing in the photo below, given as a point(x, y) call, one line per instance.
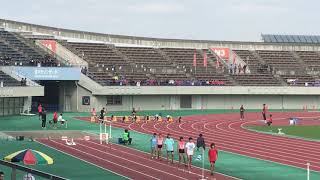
point(16, 167)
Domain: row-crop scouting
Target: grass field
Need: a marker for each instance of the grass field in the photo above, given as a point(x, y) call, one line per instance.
point(308, 132)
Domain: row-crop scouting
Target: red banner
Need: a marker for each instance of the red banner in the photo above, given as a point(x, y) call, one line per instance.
point(222, 52)
point(195, 58)
point(205, 59)
point(50, 44)
point(234, 58)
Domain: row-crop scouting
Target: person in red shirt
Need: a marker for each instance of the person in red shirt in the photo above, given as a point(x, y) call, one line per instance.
point(264, 111)
point(55, 119)
point(213, 156)
point(40, 111)
point(269, 122)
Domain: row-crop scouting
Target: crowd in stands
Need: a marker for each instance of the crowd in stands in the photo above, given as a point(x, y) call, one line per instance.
point(237, 69)
point(154, 82)
point(46, 61)
point(5, 60)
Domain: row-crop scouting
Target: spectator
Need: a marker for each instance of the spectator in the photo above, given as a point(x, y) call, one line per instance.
point(28, 176)
point(239, 68)
point(61, 120)
point(22, 82)
point(1, 175)
point(245, 69)
point(230, 69)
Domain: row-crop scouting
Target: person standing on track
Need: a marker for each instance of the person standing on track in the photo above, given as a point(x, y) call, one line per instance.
point(179, 119)
point(213, 156)
point(269, 122)
point(169, 142)
point(93, 115)
point(153, 141)
point(190, 150)
point(43, 118)
point(102, 113)
point(242, 112)
point(200, 142)
point(264, 112)
point(55, 119)
point(40, 111)
point(159, 144)
point(181, 151)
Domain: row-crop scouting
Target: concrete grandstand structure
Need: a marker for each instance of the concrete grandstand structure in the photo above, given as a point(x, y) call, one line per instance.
point(284, 75)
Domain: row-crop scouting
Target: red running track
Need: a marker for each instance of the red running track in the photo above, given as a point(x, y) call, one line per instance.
point(125, 161)
point(227, 131)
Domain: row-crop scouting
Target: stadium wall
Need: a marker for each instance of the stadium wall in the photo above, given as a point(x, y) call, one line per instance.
point(172, 102)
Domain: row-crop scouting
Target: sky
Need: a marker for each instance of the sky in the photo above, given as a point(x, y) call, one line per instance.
point(230, 20)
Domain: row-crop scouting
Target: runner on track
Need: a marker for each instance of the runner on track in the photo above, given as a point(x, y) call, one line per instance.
point(213, 156)
point(190, 146)
point(242, 112)
point(181, 151)
point(153, 141)
point(269, 122)
point(264, 112)
point(169, 142)
point(159, 144)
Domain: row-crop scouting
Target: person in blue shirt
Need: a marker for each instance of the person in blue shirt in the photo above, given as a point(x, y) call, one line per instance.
point(169, 142)
point(153, 141)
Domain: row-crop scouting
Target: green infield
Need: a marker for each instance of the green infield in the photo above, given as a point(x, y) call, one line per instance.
point(307, 132)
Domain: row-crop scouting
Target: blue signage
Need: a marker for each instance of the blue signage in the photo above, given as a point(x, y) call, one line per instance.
point(49, 73)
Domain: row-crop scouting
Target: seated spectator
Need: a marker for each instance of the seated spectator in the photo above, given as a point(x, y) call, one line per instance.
point(126, 137)
point(28, 176)
point(61, 120)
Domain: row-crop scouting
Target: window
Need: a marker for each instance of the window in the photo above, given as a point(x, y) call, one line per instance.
point(114, 100)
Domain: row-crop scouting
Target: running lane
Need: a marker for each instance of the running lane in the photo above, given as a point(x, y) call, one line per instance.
point(228, 132)
point(126, 161)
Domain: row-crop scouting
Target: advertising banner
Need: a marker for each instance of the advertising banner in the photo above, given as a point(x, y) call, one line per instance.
point(50, 44)
point(222, 52)
point(49, 73)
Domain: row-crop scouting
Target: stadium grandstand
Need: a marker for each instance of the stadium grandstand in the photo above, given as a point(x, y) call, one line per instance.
point(138, 70)
point(77, 73)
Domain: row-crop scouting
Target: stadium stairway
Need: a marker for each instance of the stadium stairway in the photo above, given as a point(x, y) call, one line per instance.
point(89, 83)
point(15, 76)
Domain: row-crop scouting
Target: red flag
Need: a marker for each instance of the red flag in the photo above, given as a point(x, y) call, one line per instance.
point(195, 58)
point(205, 59)
point(234, 58)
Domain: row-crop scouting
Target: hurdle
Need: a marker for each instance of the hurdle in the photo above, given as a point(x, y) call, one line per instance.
point(308, 171)
point(104, 136)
